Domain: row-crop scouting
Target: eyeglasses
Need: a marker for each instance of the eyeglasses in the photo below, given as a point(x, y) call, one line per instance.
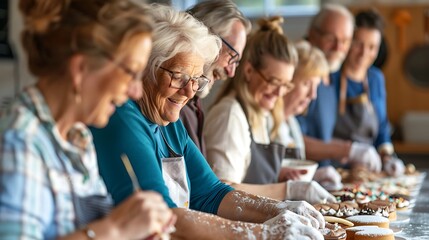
point(331, 38)
point(276, 83)
point(135, 76)
point(180, 80)
point(235, 56)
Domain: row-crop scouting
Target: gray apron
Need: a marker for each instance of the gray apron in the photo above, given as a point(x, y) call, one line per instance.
point(174, 175)
point(356, 120)
point(265, 160)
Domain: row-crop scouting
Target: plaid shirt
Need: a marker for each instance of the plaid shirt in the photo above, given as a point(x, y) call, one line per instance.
point(36, 168)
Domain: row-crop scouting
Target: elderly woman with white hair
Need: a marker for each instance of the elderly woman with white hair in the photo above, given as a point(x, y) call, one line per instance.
point(166, 160)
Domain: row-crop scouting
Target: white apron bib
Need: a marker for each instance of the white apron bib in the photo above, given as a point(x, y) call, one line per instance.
point(174, 175)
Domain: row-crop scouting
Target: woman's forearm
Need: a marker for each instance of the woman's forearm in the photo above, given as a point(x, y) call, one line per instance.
point(198, 225)
point(241, 206)
point(275, 191)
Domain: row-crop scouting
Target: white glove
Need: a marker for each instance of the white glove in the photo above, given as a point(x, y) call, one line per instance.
point(303, 208)
point(288, 225)
point(328, 177)
point(366, 155)
point(394, 167)
point(311, 192)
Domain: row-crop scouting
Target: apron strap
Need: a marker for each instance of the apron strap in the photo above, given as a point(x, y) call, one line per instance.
point(170, 149)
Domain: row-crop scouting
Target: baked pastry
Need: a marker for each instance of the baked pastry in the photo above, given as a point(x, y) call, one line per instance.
point(382, 208)
point(364, 220)
point(410, 169)
point(333, 232)
point(375, 233)
point(344, 195)
point(401, 201)
point(352, 230)
point(369, 232)
point(343, 209)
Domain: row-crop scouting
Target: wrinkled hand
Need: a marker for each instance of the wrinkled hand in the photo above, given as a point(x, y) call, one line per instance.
point(394, 167)
point(290, 174)
point(141, 215)
point(288, 225)
point(366, 155)
point(311, 192)
point(328, 177)
point(303, 208)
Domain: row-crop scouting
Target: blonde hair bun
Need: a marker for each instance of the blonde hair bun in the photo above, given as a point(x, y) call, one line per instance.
point(271, 24)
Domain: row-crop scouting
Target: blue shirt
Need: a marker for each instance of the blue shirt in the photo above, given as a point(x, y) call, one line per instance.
point(321, 116)
point(36, 167)
point(130, 132)
point(377, 96)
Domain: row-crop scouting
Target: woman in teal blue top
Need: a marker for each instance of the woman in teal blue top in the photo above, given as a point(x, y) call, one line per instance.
point(166, 160)
point(132, 133)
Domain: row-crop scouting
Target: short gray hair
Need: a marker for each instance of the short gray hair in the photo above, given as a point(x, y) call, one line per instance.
point(327, 9)
point(219, 16)
point(178, 32)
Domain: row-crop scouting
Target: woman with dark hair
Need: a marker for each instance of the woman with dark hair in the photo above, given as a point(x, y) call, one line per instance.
point(362, 111)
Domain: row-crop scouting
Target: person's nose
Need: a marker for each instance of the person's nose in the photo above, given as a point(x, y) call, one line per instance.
point(135, 89)
point(230, 70)
point(281, 91)
point(188, 90)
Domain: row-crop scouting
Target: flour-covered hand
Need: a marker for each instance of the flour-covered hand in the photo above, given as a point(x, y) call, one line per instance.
point(305, 209)
point(288, 226)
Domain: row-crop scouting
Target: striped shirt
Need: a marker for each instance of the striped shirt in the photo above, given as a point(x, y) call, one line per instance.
point(39, 170)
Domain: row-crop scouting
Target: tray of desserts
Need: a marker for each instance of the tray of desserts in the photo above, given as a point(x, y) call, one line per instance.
point(374, 205)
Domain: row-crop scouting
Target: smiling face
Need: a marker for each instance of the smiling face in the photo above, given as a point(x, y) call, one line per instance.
point(333, 37)
point(224, 67)
point(364, 48)
point(305, 90)
point(261, 81)
point(170, 100)
point(112, 85)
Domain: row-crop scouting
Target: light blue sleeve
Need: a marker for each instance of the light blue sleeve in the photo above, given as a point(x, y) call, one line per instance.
point(26, 203)
point(378, 98)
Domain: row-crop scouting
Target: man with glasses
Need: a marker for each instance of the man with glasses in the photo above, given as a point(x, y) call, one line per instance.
point(224, 19)
point(331, 30)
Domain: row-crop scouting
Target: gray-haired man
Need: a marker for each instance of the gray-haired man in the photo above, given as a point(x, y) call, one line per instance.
point(225, 20)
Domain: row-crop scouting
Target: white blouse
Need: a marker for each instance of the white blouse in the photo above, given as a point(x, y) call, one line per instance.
point(227, 136)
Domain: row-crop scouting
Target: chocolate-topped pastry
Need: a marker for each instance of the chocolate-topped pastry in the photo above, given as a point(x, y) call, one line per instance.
point(376, 210)
point(344, 195)
point(402, 201)
point(333, 232)
point(343, 209)
point(391, 207)
point(383, 208)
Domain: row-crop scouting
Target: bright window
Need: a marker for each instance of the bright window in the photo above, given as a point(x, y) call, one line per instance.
point(259, 8)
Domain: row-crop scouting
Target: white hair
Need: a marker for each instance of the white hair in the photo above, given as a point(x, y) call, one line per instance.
point(330, 8)
point(178, 32)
